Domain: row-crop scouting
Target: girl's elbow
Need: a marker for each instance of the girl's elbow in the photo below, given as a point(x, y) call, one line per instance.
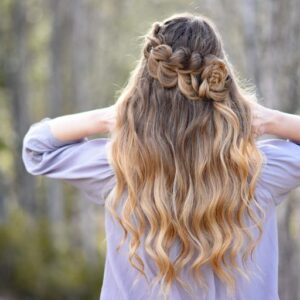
point(32, 161)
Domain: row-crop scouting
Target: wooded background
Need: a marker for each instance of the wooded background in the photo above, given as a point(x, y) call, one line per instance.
point(65, 56)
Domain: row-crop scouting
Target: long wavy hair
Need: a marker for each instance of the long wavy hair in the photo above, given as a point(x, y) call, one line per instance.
point(185, 156)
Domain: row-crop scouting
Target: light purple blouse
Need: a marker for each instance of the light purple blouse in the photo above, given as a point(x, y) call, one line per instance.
point(83, 163)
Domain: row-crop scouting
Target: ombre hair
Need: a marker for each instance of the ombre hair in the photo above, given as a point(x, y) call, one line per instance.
point(184, 154)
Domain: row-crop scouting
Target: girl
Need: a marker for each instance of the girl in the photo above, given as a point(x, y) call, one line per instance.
point(190, 194)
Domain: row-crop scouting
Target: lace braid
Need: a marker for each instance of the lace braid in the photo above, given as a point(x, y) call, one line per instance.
point(198, 77)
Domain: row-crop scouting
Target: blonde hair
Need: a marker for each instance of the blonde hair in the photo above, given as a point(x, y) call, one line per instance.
point(184, 152)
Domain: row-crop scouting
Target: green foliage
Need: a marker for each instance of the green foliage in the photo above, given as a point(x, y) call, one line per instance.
point(33, 267)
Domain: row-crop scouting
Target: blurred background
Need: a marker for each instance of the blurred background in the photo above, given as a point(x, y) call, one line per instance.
point(65, 56)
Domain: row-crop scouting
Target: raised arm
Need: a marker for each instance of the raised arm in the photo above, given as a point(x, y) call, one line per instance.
point(275, 122)
point(59, 148)
point(79, 125)
point(285, 125)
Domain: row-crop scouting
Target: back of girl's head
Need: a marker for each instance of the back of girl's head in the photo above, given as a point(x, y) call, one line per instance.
point(184, 153)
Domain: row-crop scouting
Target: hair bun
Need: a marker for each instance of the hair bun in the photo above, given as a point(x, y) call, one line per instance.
point(215, 78)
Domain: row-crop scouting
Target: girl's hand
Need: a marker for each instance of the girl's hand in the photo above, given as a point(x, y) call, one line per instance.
point(108, 115)
point(262, 119)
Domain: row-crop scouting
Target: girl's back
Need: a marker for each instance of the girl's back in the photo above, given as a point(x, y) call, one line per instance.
point(187, 188)
point(84, 164)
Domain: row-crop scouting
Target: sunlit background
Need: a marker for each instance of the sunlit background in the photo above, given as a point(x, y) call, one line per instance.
point(65, 56)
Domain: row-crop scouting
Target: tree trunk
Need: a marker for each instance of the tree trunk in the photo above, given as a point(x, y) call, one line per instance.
point(24, 184)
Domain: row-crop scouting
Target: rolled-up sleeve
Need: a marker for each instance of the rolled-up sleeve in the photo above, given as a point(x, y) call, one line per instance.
point(82, 163)
point(281, 172)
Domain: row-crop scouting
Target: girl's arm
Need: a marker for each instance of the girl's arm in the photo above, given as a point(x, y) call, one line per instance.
point(285, 125)
point(275, 122)
point(59, 148)
point(79, 125)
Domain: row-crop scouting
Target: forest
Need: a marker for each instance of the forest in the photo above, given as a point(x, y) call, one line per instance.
point(65, 56)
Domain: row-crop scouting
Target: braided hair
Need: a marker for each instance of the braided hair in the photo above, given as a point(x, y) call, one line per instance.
point(197, 76)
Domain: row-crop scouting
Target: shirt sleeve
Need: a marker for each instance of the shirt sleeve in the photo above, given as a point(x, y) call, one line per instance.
point(281, 170)
point(82, 163)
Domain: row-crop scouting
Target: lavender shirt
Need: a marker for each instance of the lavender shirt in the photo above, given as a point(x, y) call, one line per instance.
point(83, 163)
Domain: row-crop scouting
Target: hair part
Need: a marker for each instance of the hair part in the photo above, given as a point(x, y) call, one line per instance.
point(185, 156)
